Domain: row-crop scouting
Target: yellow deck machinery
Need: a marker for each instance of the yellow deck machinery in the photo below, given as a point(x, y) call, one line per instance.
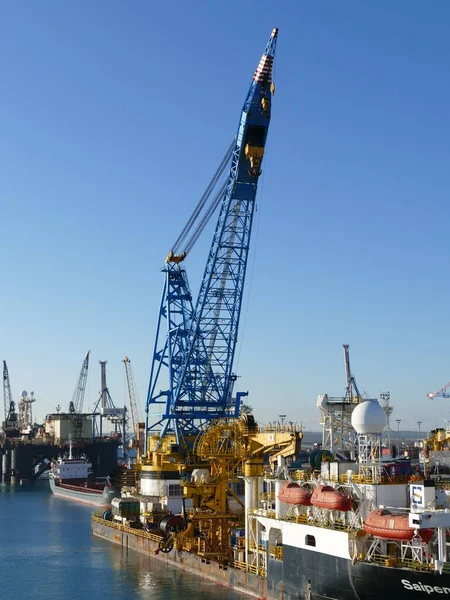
point(226, 453)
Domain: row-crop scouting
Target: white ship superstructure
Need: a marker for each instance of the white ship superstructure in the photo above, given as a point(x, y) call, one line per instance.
point(69, 469)
point(354, 532)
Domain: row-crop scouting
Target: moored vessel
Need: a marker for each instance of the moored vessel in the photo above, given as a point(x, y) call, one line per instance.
point(71, 478)
point(344, 529)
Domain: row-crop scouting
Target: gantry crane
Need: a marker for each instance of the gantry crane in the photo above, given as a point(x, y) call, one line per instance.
point(105, 409)
point(135, 419)
point(193, 354)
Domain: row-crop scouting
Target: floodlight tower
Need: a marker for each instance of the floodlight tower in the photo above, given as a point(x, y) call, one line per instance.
point(385, 398)
point(26, 410)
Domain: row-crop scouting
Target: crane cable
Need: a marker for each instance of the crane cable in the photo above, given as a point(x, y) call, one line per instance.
point(183, 238)
point(207, 216)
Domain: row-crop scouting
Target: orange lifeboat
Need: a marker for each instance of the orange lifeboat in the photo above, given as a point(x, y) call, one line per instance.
point(325, 496)
point(384, 524)
point(292, 493)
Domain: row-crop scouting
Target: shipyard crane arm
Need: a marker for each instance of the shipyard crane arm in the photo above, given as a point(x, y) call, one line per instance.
point(198, 350)
point(76, 404)
point(442, 393)
point(200, 217)
point(9, 405)
point(352, 392)
point(132, 393)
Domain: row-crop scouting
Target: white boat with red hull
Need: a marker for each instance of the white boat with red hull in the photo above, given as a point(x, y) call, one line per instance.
point(71, 478)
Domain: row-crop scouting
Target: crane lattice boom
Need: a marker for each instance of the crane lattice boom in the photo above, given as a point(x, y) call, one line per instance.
point(76, 404)
point(196, 354)
point(9, 405)
point(132, 393)
point(351, 388)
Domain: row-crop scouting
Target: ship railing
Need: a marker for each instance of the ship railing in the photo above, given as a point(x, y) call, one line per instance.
point(292, 518)
point(417, 565)
point(252, 546)
point(368, 480)
point(301, 519)
point(274, 551)
point(261, 512)
point(336, 525)
point(278, 428)
point(394, 561)
point(301, 475)
point(126, 529)
point(267, 496)
point(442, 485)
point(243, 566)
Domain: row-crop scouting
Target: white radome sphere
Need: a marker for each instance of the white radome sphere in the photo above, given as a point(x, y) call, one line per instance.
point(368, 417)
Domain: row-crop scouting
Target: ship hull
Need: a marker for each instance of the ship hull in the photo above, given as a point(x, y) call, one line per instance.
point(313, 575)
point(102, 499)
point(301, 575)
point(242, 581)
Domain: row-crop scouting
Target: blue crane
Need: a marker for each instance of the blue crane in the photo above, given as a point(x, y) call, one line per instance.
point(192, 368)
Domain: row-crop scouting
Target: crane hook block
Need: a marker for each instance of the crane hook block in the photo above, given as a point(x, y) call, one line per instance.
point(254, 154)
point(265, 103)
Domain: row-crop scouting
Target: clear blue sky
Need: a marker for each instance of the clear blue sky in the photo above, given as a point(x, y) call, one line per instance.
point(115, 114)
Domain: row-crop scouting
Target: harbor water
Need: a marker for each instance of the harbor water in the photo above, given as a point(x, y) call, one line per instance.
point(47, 552)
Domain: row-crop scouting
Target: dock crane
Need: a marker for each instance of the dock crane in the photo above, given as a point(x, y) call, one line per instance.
point(11, 418)
point(76, 404)
point(442, 393)
point(7, 397)
point(134, 409)
point(351, 393)
point(105, 409)
point(193, 354)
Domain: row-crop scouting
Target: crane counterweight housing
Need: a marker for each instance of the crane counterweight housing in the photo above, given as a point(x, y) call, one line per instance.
point(191, 376)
